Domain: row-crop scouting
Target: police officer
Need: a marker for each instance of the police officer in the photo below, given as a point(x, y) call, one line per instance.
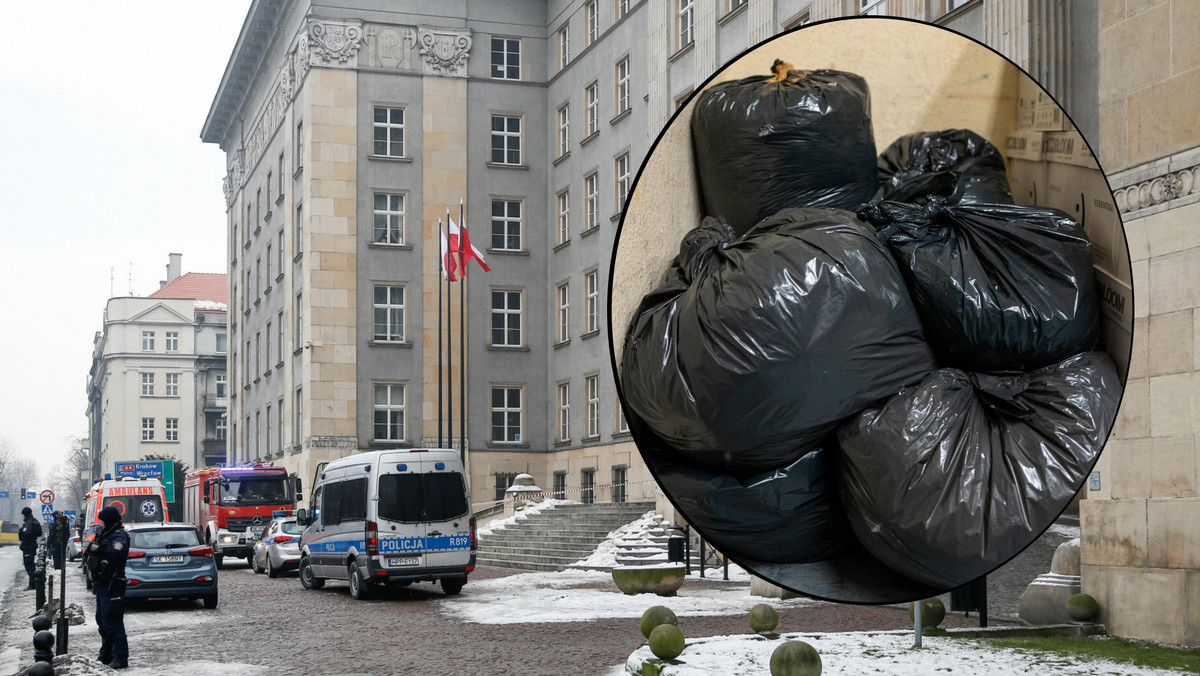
point(105, 560)
point(28, 536)
point(54, 540)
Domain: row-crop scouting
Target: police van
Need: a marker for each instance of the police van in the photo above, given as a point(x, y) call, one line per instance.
point(389, 517)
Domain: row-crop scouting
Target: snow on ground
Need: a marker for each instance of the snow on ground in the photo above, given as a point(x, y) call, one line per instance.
point(532, 508)
point(10, 563)
point(577, 596)
point(1064, 530)
point(633, 533)
point(888, 653)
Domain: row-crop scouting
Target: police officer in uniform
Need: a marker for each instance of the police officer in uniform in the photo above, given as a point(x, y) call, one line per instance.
point(105, 560)
point(28, 536)
point(55, 539)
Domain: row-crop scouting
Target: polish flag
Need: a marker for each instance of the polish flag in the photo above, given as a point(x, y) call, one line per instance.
point(461, 244)
point(448, 265)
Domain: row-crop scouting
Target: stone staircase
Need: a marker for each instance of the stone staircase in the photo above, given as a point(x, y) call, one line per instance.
point(646, 548)
point(554, 538)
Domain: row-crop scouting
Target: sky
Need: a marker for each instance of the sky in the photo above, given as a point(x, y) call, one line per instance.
point(103, 176)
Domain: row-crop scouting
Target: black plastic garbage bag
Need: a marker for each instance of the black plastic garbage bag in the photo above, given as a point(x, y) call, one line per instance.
point(954, 476)
point(756, 348)
point(957, 164)
point(998, 287)
point(787, 515)
point(794, 139)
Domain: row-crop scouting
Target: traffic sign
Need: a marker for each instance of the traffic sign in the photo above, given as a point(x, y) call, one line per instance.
point(163, 470)
point(30, 495)
point(3, 494)
point(70, 514)
point(47, 497)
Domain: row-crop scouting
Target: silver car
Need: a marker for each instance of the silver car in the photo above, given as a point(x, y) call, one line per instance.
point(278, 547)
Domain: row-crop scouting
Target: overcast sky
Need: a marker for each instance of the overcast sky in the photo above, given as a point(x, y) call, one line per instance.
point(103, 175)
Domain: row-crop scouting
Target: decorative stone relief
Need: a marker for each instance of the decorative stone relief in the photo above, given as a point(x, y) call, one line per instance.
point(1158, 190)
point(334, 41)
point(227, 188)
point(445, 51)
point(343, 443)
point(272, 116)
point(392, 47)
point(300, 58)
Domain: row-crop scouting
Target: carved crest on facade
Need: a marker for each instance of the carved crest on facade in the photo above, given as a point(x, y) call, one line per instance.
point(392, 47)
point(445, 51)
point(334, 41)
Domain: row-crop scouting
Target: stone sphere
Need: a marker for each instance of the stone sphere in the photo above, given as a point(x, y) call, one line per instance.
point(666, 641)
point(763, 618)
point(40, 669)
point(1083, 608)
point(43, 640)
point(932, 612)
point(42, 623)
point(655, 616)
point(795, 658)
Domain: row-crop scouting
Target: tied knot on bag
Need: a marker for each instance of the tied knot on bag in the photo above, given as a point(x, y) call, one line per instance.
point(1000, 390)
point(911, 220)
point(698, 246)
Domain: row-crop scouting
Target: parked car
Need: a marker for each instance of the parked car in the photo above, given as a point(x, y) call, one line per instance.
point(74, 548)
point(168, 560)
point(278, 546)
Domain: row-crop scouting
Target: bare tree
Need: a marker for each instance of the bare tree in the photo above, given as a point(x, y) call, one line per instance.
point(66, 478)
point(16, 472)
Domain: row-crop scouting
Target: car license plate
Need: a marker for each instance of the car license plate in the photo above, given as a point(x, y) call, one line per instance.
point(406, 561)
point(168, 559)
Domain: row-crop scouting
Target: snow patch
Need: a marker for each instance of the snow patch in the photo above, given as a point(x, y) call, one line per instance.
point(638, 531)
point(533, 508)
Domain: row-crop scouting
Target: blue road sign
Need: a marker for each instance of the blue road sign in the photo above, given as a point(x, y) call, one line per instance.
point(3, 494)
point(163, 470)
point(30, 495)
point(70, 514)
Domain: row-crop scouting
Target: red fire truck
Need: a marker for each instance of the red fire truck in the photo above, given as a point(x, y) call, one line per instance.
point(231, 505)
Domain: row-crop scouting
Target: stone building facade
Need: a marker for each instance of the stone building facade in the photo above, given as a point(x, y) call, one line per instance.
point(157, 385)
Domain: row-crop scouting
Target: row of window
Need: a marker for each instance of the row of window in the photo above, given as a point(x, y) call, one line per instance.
point(254, 445)
point(591, 196)
point(257, 361)
point(587, 484)
point(149, 341)
point(507, 412)
point(170, 427)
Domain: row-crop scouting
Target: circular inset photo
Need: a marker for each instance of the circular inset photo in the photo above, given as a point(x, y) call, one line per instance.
point(868, 310)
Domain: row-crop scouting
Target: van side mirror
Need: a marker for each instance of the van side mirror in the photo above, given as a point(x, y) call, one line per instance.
point(302, 516)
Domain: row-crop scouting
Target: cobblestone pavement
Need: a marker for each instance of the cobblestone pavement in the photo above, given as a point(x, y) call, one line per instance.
point(279, 625)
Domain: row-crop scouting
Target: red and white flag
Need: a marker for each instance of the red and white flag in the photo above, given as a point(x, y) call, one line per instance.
point(460, 243)
point(448, 265)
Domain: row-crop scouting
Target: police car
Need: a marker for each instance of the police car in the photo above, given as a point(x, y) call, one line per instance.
point(278, 546)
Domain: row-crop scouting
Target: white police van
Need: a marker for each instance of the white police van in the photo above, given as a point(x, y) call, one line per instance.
point(389, 517)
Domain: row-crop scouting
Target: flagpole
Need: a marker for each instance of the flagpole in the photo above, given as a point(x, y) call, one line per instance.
point(441, 273)
point(462, 332)
point(449, 355)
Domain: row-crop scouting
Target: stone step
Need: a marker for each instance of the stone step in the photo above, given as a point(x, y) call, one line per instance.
point(506, 561)
point(516, 538)
point(549, 533)
point(578, 552)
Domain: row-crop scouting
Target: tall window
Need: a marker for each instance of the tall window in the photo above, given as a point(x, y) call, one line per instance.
point(172, 429)
point(281, 344)
point(622, 180)
point(147, 341)
point(267, 349)
point(280, 175)
point(269, 257)
point(279, 423)
point(734, 4)
point(592, 14)
point(506, 225)
point(298, 330)
point(564, 312)
point(389, 412)
point(592, 96)
point(622, 8)
point(619, 479)
point(299, 243)
point(270, 182)
point(147, 384)
point(564, 47)
point(506, 414)
point(257, 354)
point(622, 85)
point(281, 248)
point(506, 139)
point(172, 384)
point(249, 288)
point(389, 132)
point(564, 130)
point(222, 428)
point(222, 385)
point(172, 341)
point(591, 301)
point(147, 429)
point(257, 210)
point(299, 145)
point(298, 416)
point(592, 391)
point(506, 318)
point(875, 7)
point(506, 59)
point(222, 343)
point(622, 423)
point(389, 219)
point(389, 313)
point(564, 216)
point(591, 189)
point(267, 432)
point(587, 485)
point(686, 9)
point(564, 411)
point(559, 490)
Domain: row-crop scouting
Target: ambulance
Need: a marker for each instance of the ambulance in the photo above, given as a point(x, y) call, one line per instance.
point(389, 517)
point(138, 500)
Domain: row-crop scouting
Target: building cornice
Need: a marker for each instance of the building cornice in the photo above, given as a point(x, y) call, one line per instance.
point(252, 45)
point(1157, 186)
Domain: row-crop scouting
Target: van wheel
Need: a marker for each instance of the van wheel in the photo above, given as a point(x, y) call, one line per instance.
point(359, 588)
point(307, 579)
point(452, 587)
point(210, 601)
